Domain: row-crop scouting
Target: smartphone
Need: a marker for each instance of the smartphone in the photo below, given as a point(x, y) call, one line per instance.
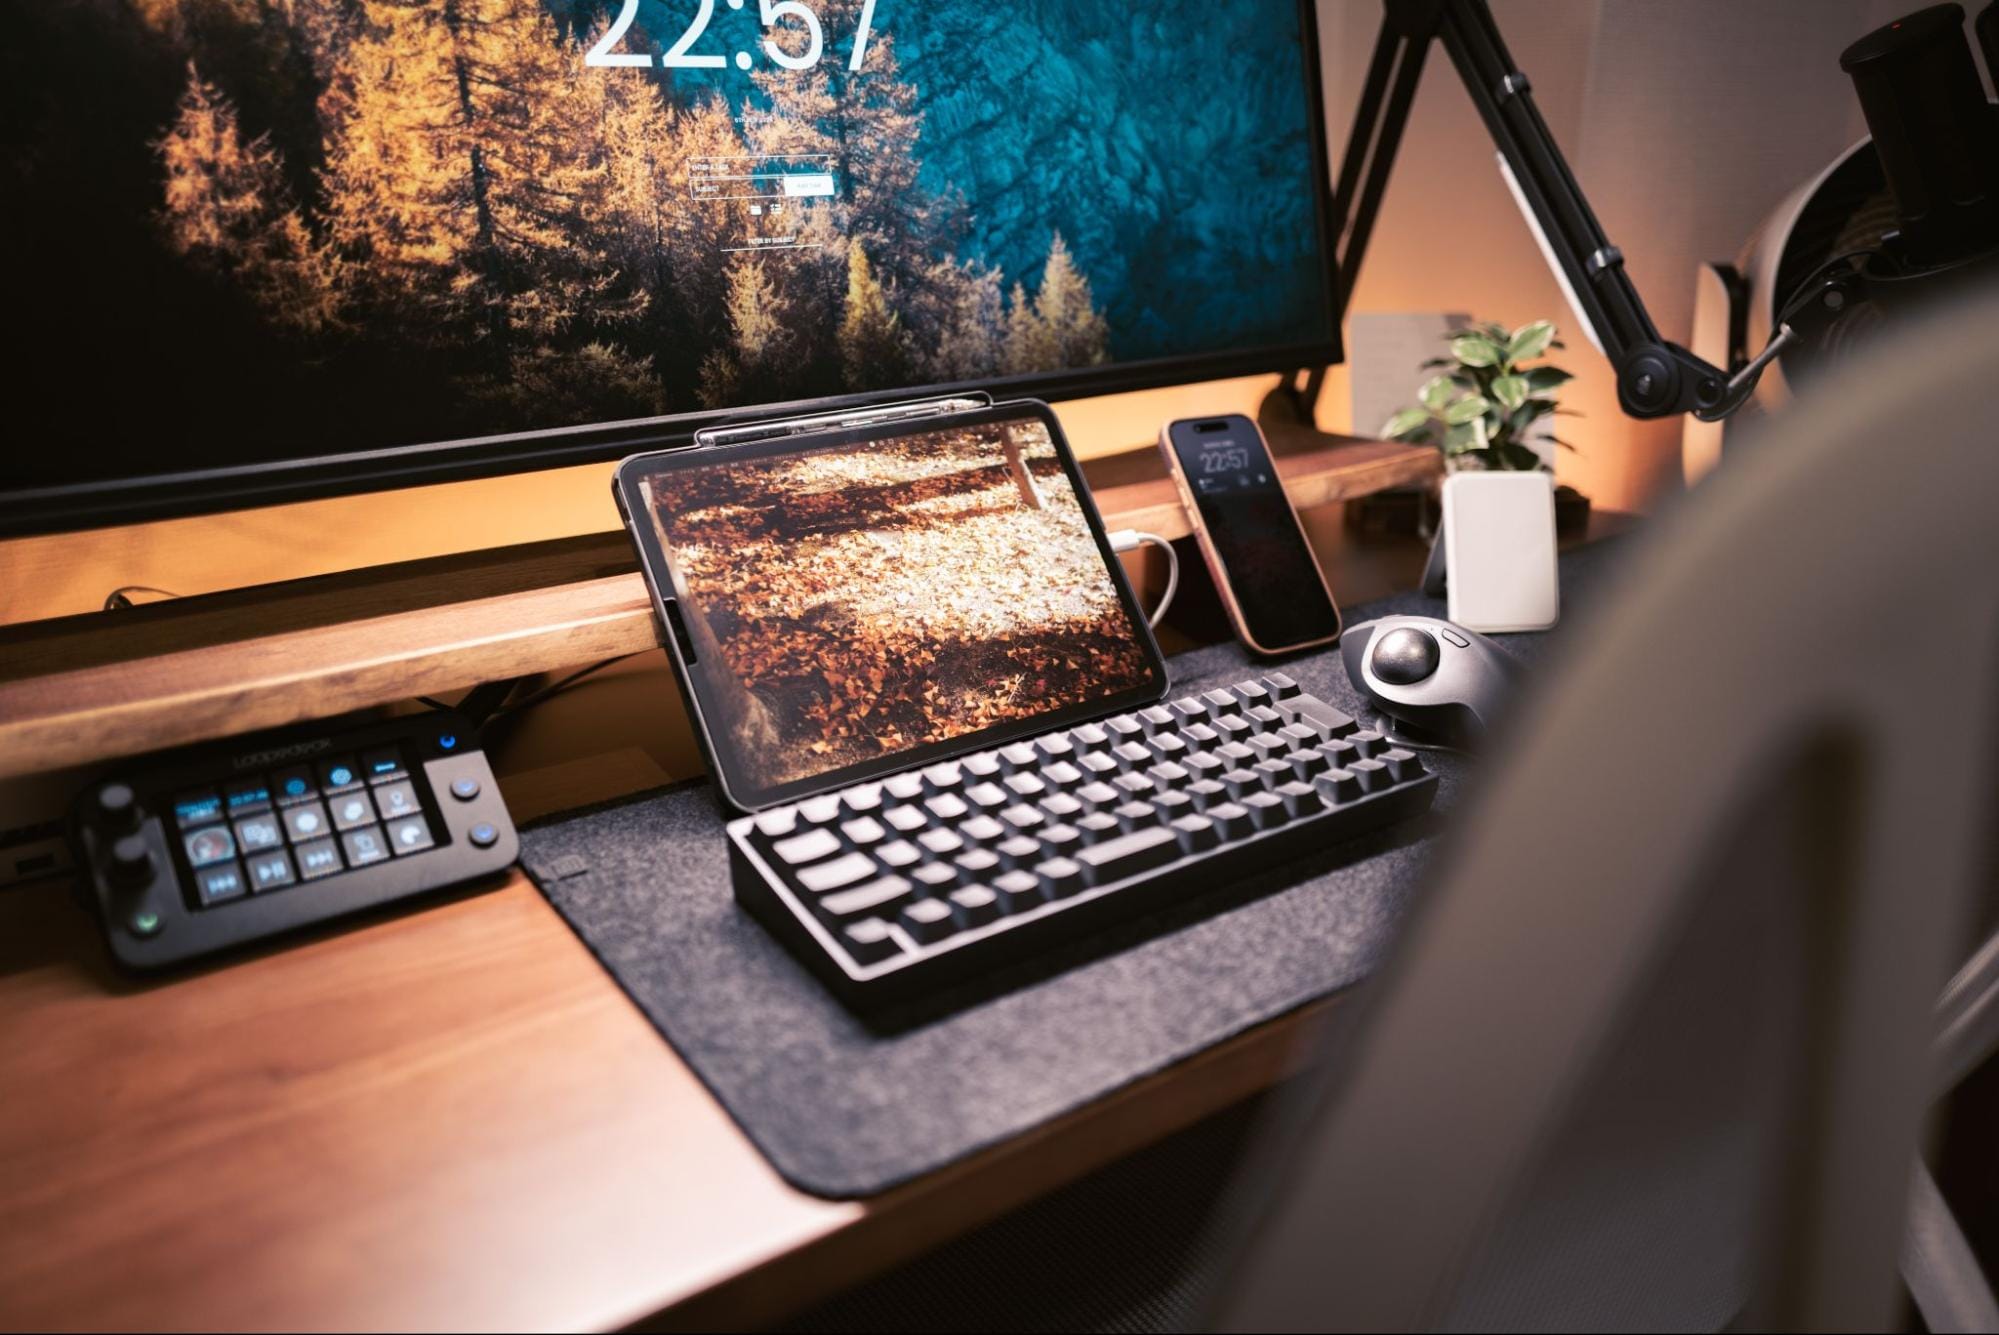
point(1270, 582)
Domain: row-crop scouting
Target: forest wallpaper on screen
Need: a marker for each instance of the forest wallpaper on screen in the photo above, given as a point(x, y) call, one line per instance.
point(284, 227)
point(856, 602)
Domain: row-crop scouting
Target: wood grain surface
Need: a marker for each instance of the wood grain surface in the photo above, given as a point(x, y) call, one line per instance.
point(100, 685)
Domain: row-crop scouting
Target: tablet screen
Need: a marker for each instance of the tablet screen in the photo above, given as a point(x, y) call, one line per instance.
point(856, 607)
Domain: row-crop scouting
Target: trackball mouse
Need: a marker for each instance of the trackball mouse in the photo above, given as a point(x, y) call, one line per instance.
point(1433, 676)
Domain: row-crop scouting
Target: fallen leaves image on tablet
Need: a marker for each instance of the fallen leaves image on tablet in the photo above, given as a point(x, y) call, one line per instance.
point(864, 600)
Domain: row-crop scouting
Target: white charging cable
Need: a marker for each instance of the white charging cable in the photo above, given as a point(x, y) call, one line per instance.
point(1129, 540)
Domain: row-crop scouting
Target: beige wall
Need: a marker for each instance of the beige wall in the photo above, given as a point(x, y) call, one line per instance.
point(1685, 121)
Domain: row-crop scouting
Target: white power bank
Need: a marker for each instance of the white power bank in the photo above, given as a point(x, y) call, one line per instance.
point(1499, 549)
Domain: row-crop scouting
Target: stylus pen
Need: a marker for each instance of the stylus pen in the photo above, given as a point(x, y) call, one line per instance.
point(837, 421)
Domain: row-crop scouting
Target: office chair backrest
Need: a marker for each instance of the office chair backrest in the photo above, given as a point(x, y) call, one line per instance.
point(1791, 701)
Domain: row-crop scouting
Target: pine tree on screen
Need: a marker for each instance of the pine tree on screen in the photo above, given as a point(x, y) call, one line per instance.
point(871, 343)
point(228, 211)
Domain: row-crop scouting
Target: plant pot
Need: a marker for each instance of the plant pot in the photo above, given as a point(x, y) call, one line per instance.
point(1499, 550)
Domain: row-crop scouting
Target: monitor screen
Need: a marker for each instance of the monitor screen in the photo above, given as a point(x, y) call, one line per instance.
point(854, 607)
point(262, 250)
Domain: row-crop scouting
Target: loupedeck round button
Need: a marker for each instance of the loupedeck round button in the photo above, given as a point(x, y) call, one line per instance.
point(132, 861)
point(144, 923)
point(464, 789)
point(118, 806)
point(483, 835)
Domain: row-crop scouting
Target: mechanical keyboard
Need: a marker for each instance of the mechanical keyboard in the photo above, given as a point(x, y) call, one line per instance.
point(896, 888)
point(197, 851)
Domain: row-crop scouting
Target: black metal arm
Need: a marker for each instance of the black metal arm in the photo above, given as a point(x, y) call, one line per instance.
point(1654, 378)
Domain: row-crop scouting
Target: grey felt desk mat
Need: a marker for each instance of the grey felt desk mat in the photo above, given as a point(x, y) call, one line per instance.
point(843, 1110)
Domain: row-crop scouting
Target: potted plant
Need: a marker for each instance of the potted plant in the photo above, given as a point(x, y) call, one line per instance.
point(1481, 407)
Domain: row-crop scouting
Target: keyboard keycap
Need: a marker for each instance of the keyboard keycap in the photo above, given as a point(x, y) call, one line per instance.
point(1018, 890)
point(819, 810)
point(1281, 686)
point(1098, 795)
point(1154, 720)
point(987, 796)
point(1373, 775)
point(984, 765)
point(928, 920)
point(975, 905)
point(982, 829)
point(1338, 786)
point(1316, 713)
point(1267, 810)
point(1028, 786)
point(905, 820)
point(1019, 851)
point(1370, 742)
point(1137, 815)
point(1402, 765)
point(1129, 854)
point(1197, 834)
point(843, 871)
point(1054, 745)
point(898, 854)
point(808, 847)
point(863, 799)
point(870, 941)
point(1098, 825)
point(1062, 775)
point(934, 878)
point(944, 778)
point(1251, 693)
point(1300, 799)
point(776, 823)
point(1206, 793)
point(1220, 703)
point(941, 843)
point(1022, 817)
point(947, 808)
point(1060, 806)
point(976, 864)
point(1060, 877)
point(888, 892)
point(863, 832)
point(1232, 819)
point(1090, 737)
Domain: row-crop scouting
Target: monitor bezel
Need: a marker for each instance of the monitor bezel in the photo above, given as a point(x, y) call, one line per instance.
point(159, 496)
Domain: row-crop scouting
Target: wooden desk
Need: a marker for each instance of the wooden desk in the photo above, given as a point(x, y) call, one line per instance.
point(447, 1116)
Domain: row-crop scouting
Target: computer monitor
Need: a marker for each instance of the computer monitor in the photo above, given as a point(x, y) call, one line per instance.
point(262, 250)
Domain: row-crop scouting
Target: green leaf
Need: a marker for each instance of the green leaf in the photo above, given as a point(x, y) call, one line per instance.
point(1474, 350)
point(1547, 379)
point(1405, 422)
point(1510, 390)
point(1530, 340)
point(1467, 409)
point(1518, 458)
point(1480, 458)
point(1462, 437)
point(1436, 392)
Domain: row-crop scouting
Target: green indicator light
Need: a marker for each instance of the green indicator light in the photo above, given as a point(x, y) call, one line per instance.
point(145, 922)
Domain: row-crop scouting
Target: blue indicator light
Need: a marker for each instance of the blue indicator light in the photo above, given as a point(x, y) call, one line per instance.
point(447, 741)
point(294, 787)
point(384, 766)
point(341, 776)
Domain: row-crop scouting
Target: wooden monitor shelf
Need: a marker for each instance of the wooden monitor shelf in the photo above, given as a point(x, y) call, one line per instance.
point(87, 688)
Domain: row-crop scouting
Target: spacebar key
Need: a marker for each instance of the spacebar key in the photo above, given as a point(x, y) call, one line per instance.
point(1129, 854)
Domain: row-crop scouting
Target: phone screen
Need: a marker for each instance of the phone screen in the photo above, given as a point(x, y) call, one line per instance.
point(1271, 574)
